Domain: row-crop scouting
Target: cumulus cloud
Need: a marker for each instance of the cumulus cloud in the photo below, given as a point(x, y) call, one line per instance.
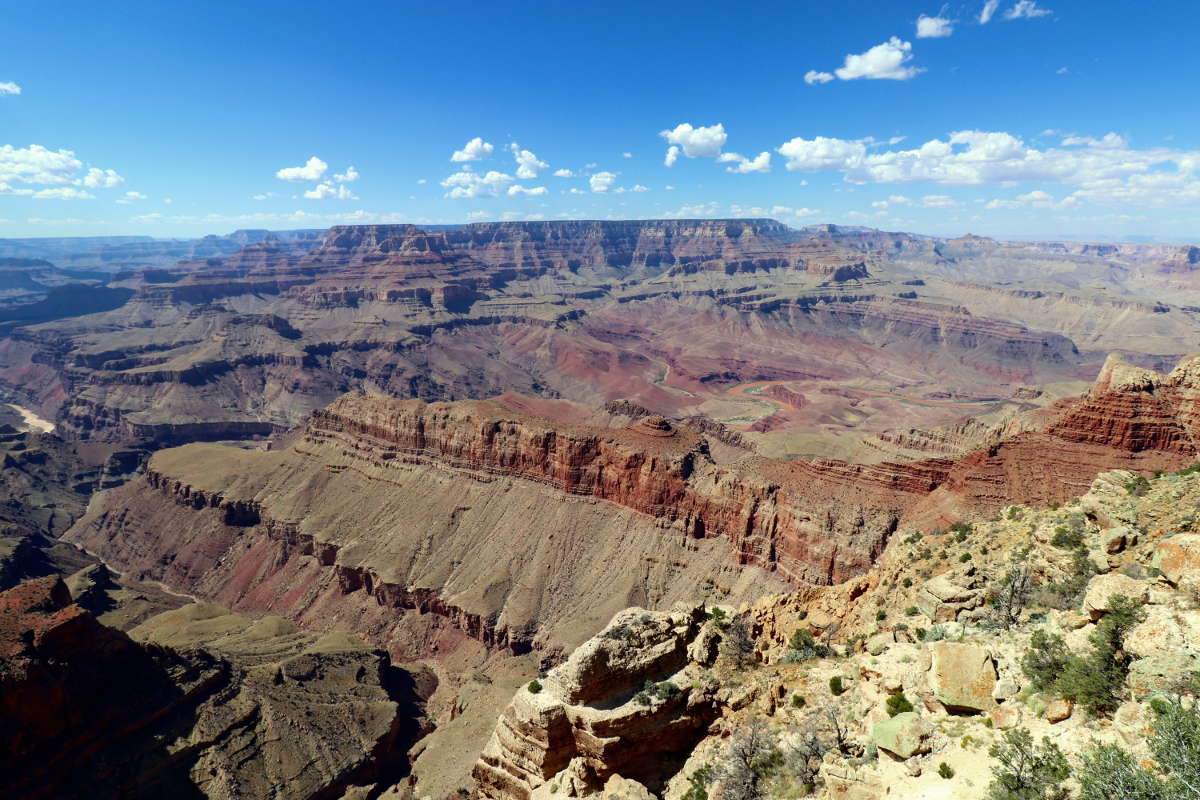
point(1035, 199)
point(473, 150)
point(8, 87)
point(54, 170)
point(1062, 71)
point(564, 173)
point(893, 200)
point(821, 153)
point(1026, 9)
point(313, 170)
point(470, 184)
point(349, 176)
point(527, 163)
point(695, 210)
point(988, 11)
point(886, 61)
point(263, 196)
point(701, 142)
point(626, 155)
point(813, 77)
point(933, 27)
point(741, 164)
point(326, 190)
point(100, 179)
point(637, 187)
point(602, 182)
point(517, 189)
point(672, 155)
point(129, 197)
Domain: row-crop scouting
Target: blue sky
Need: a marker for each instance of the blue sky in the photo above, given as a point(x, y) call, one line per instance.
point(1073, 119)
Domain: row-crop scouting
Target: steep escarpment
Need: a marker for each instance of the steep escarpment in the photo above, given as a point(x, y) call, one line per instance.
point(87, 711)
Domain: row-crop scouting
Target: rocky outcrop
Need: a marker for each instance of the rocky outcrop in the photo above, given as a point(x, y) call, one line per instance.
point(86, 711)
point(625, 703)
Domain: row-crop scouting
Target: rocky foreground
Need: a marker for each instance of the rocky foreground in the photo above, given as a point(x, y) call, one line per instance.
point(913, 681)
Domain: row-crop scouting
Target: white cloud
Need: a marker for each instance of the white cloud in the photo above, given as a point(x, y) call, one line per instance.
point(167, 201)
point(517, 189)
point(527, 163)
point(989, 9)
point(702, 142)
point(933, 27)
point(422, 182)
point(893, 200)
point(980, 157)
point(761, 163)
point(8, 87)
point(1061, 71)
point(669, 188)
point(939, 201)
point(691, 211)
point(563, 173)
point(100, 179)
point(130, 197)
point(312, 170)
point(477, 214)
point(637, 187)
point(1026, 9)
point(626, 155)
point(1035, 199)
point(57, 193)
point(1108, 140)
point(263, 196)
point(473, 150)
point(885, 61)
point(602, 181)
point(672, 155)
point(326, 190)
point(469, 184)
point(813, 77)
point(349, 176)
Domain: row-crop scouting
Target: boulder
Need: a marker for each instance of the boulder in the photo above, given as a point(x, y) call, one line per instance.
point(904, 735)
point(619, 788)
point(880, 642)
point(1005, 690)
point(1114, 540)
point(1059, 710)
point(1005, 717)
point(1176, 554)
point(1102, 588)
point(1160, 672)
point(962, 676)
point(943, 596)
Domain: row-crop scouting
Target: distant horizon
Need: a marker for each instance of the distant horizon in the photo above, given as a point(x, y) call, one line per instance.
point(1015, 119)
point(1130, 239)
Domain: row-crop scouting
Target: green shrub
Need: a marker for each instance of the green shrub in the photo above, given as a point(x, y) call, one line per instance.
point(664, 690)
point(799, 701)
point(698, 783)
point(1045, 659)
point(618, 632)
point(945, 770)
point(805, 645)
point(911, 611)
point(934, 634)
point(898, 704)
point(964, 558)
point(1025, 771)
point(1065, 539)
point(1137, 486)
point(534, 687)
point(836, 688)
point(880, 616)
point(906, 583)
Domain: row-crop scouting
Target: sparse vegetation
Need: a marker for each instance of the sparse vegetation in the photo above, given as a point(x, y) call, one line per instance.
point(1010, 595)
point(898, 704)
point(799, 701)
point(945, 770)
point(651, 691)
point(738, 642)
point(750, 760)
point(1137, 486)
point(1025, 771)
point(534, 686)
point(836, 687)
point(805, 646)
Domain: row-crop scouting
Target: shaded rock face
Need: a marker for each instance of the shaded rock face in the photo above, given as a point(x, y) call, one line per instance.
point(87, 711)
point(589, 719)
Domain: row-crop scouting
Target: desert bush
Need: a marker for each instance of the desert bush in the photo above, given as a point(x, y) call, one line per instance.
point(1067, 592)
point(934, 634)
point(1108, 771)
point(749, 762)
point(799, 701)
point(738, 641)
point(1009, 596)
point(1137, 486)
point(534, 686)
point(698, 783)
point(945, 770)
point(906, 583)
point(898, 704)
point(1027, 771)
point(836, 687)
point(805, 645)
point(1045, 659)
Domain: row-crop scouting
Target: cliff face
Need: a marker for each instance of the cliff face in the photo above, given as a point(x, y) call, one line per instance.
point(420, 524)
point(88, 711)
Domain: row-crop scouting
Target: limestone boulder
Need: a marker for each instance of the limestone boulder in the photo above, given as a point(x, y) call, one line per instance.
point(1160, 672)
point(1102, 588)
point(962, 676)
point(1005, 717)
point(1059, 710)
point(1116, 539)
point(1176, 554)
point(904, 735)
point(944, 596)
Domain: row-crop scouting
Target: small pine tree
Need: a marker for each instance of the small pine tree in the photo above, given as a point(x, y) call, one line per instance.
point(534, 686)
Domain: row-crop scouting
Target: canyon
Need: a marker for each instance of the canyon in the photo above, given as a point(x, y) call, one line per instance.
point(448, 458)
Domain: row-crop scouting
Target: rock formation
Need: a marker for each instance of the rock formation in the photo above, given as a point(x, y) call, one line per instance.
point(86, 711)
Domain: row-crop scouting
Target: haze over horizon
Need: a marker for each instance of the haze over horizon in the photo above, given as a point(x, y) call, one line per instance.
point(1009, 118)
